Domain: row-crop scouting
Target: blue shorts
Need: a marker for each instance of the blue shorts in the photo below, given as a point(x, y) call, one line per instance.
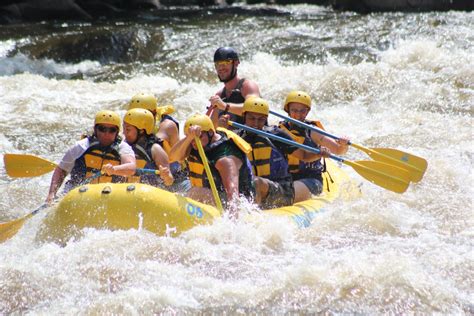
point(314, 186)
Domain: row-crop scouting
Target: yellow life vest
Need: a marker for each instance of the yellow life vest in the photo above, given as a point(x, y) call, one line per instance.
point(196, 168)
point(166, 146)
point(95, 157)
point(266, 158)
point(161, 115)
point(260, 159)
point(298, 135)
point(144, 159)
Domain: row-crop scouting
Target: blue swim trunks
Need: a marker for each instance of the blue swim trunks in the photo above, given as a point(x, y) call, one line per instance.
point(314, 186)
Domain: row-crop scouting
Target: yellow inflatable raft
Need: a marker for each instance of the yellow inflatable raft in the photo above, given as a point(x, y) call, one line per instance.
point(139, 206)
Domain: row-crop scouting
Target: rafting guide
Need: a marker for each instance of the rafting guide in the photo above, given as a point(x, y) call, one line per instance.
point(230, 99)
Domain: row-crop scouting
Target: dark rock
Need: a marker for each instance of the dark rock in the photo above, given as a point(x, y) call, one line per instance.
point(123, 46)
point(36, 10)
point(78, 10)
point(366, 6)
point(314, 2)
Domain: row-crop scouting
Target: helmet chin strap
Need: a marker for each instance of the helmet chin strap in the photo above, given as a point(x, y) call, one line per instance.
point(209, 138)
point(232, 75)
point(140, 133)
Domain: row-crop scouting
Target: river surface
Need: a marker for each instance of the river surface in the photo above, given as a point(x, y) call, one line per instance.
point(393, 80)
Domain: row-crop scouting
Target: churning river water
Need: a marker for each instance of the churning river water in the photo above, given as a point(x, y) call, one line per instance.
point(396, 80)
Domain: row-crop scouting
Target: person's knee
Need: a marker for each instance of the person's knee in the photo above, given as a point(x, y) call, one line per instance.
point(261, 189)
point(305, 188)
point(301, 191)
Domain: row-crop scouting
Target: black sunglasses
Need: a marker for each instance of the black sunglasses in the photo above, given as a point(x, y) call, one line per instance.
point(105, 129)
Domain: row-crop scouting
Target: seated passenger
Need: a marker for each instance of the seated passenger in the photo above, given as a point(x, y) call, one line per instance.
point(138, 130)
point(226, 153)
point(308, 175)
point(273, 182)
point(104, 152)
point(167, 133)
point(166, 127)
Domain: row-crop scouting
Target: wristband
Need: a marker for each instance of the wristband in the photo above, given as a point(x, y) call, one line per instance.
point(226, 110)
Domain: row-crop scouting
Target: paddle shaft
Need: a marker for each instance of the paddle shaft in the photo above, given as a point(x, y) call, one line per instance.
point(209, 174)
point(142, 171)
point(283, 140)
point(313, 128)
point(415, 165)
point(384, 175)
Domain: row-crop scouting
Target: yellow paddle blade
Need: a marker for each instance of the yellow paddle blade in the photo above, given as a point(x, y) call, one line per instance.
point(24, 166)
point(382, 174)
point(416, 166)
point(9, 229)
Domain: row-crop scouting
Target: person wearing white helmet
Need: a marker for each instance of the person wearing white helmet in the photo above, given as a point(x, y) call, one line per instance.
point(103, 151)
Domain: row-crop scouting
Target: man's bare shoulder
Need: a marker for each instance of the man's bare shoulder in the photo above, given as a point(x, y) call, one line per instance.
point(250, 87)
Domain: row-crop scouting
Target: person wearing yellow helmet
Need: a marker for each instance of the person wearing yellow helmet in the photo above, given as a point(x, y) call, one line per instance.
point(307, 175)
point(274, 185)
point(167, 128)
point(167, 134)
point(226, 153)
point(231, 97)
point(103, 151)
point(138, 126)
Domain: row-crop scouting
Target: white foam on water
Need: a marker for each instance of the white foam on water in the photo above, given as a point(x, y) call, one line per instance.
point(21, 63)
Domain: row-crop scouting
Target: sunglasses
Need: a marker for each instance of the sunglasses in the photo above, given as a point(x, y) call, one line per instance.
point(223, 62)
point(105, 129)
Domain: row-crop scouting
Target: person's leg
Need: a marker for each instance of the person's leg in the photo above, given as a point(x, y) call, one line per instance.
point(305, 188)
point(302, 192)
point(279, 194)
point(261, 189)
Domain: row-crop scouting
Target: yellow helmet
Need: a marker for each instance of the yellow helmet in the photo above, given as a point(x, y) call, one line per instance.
point(107, 117)
point(199, 119)
point(143, 101)
point(141, 119)
point(256, 105)
point(298, 97)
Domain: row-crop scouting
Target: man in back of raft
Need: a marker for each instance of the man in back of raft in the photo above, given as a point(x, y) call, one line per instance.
point(103, 152)
point(230, 99)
